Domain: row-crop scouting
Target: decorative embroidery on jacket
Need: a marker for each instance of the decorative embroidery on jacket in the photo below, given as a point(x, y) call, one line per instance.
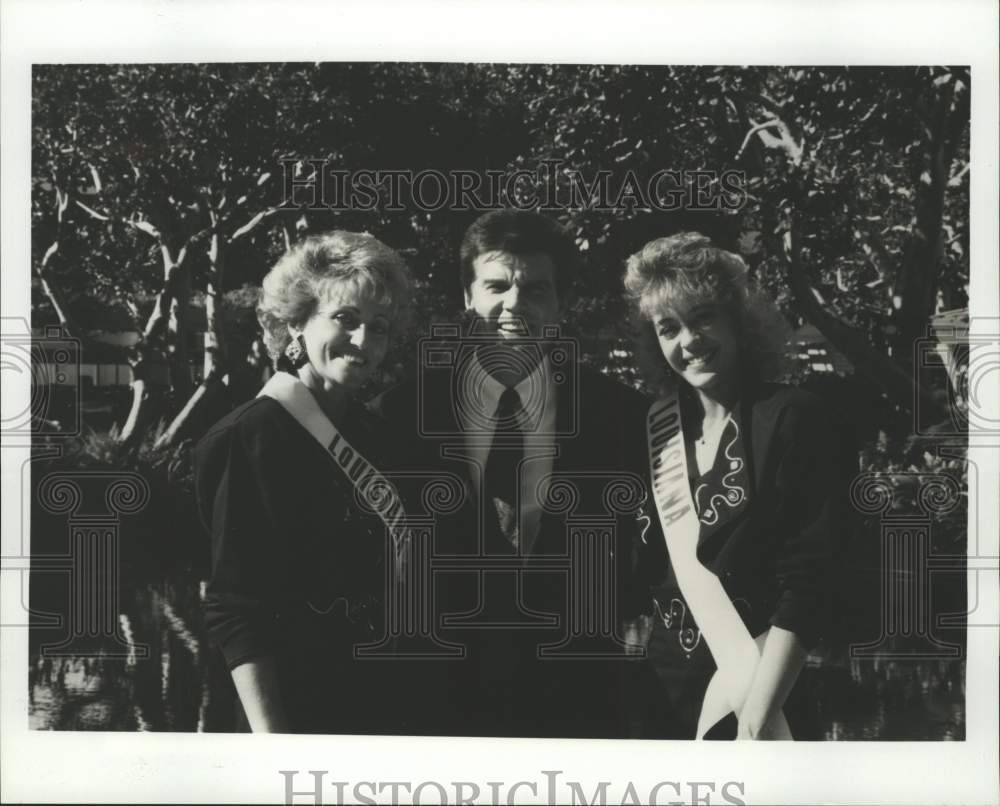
point(734, 495)
point(676, 616)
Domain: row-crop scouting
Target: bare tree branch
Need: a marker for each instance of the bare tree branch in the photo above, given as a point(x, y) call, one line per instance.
point(144, 226)
point(42, 270)
point(252, 224)
point(955, 180)
point(91, 212)
point(754, 129)
point(785, 142)
point(94, 175)
point(869, 361)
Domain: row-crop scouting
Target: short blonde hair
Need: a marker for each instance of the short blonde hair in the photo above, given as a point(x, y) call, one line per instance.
point(308, 272)
point(685, 270)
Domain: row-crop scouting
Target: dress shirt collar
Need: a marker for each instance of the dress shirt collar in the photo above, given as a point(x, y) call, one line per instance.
point(492, 389)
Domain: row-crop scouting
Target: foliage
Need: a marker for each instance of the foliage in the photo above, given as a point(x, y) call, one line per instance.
point(166, 534)
point(100, 450)
point(909, 468)
point(854, 212)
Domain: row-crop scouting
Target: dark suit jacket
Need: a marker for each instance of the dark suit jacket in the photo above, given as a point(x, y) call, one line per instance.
point(502, 686)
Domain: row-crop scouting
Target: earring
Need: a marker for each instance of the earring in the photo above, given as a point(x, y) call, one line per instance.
point(295, 352)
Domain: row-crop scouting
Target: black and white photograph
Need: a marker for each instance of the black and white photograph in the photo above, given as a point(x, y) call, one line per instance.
point(467, 422)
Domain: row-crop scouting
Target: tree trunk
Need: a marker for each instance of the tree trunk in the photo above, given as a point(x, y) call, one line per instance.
point(215, 365)
point(178, 334)
point(215, 347)
point(147, 390)
point(141, 413)
point(209, 391)
point(146, 394)
point(160, 316)
point(127, 434)
point(920, 272)
point(55, 298)
point(213, 383)
point(43, 270)
point(869, 362)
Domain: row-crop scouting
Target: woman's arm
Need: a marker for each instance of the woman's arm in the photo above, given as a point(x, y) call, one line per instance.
point(777, 670)
point(808, 492)
point(257, 684)
point(238, 498)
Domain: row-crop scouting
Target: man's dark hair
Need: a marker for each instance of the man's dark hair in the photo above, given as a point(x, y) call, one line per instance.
point(520, 232)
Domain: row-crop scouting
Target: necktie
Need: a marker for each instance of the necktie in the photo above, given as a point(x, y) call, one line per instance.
point(506, 454)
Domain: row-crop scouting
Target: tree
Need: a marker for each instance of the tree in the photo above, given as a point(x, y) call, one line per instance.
point(154, 184)
point(868, 158)
point(181, 156)
point(856, 185)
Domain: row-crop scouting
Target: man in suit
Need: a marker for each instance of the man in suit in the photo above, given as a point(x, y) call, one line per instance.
point(534, 570)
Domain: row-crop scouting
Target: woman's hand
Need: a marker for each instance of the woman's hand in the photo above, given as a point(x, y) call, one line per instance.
point(755, 727)
point(257, 684)
point(777, 670)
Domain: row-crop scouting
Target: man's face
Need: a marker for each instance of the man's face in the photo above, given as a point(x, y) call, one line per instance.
point(514, 295)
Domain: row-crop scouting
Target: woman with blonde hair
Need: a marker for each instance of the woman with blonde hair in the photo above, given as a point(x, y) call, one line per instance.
point(744, 494)
point(298, 565)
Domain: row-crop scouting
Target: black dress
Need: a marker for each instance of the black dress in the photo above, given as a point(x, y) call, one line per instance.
point(770, 511)
point(298, 571)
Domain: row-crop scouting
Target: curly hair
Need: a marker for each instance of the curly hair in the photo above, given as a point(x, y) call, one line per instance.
point(685, 270)
point(318, 265)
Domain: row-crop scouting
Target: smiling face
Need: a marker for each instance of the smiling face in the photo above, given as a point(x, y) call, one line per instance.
point(346, 339)
point(514, 295)
point(701, 344)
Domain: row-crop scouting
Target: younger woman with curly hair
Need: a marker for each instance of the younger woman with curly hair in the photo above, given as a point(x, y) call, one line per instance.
point(744, 492)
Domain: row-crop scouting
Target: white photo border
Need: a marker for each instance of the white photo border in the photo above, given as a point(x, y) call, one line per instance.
point(119, 767)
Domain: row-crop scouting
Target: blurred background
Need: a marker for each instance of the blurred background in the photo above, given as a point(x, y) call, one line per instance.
point(158, 204)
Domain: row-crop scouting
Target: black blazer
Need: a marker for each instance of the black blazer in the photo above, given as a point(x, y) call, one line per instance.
point(503, 687)
point(775, 552)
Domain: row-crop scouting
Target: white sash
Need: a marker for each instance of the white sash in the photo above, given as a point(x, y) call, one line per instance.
point(733, 649)
point(375, 489)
